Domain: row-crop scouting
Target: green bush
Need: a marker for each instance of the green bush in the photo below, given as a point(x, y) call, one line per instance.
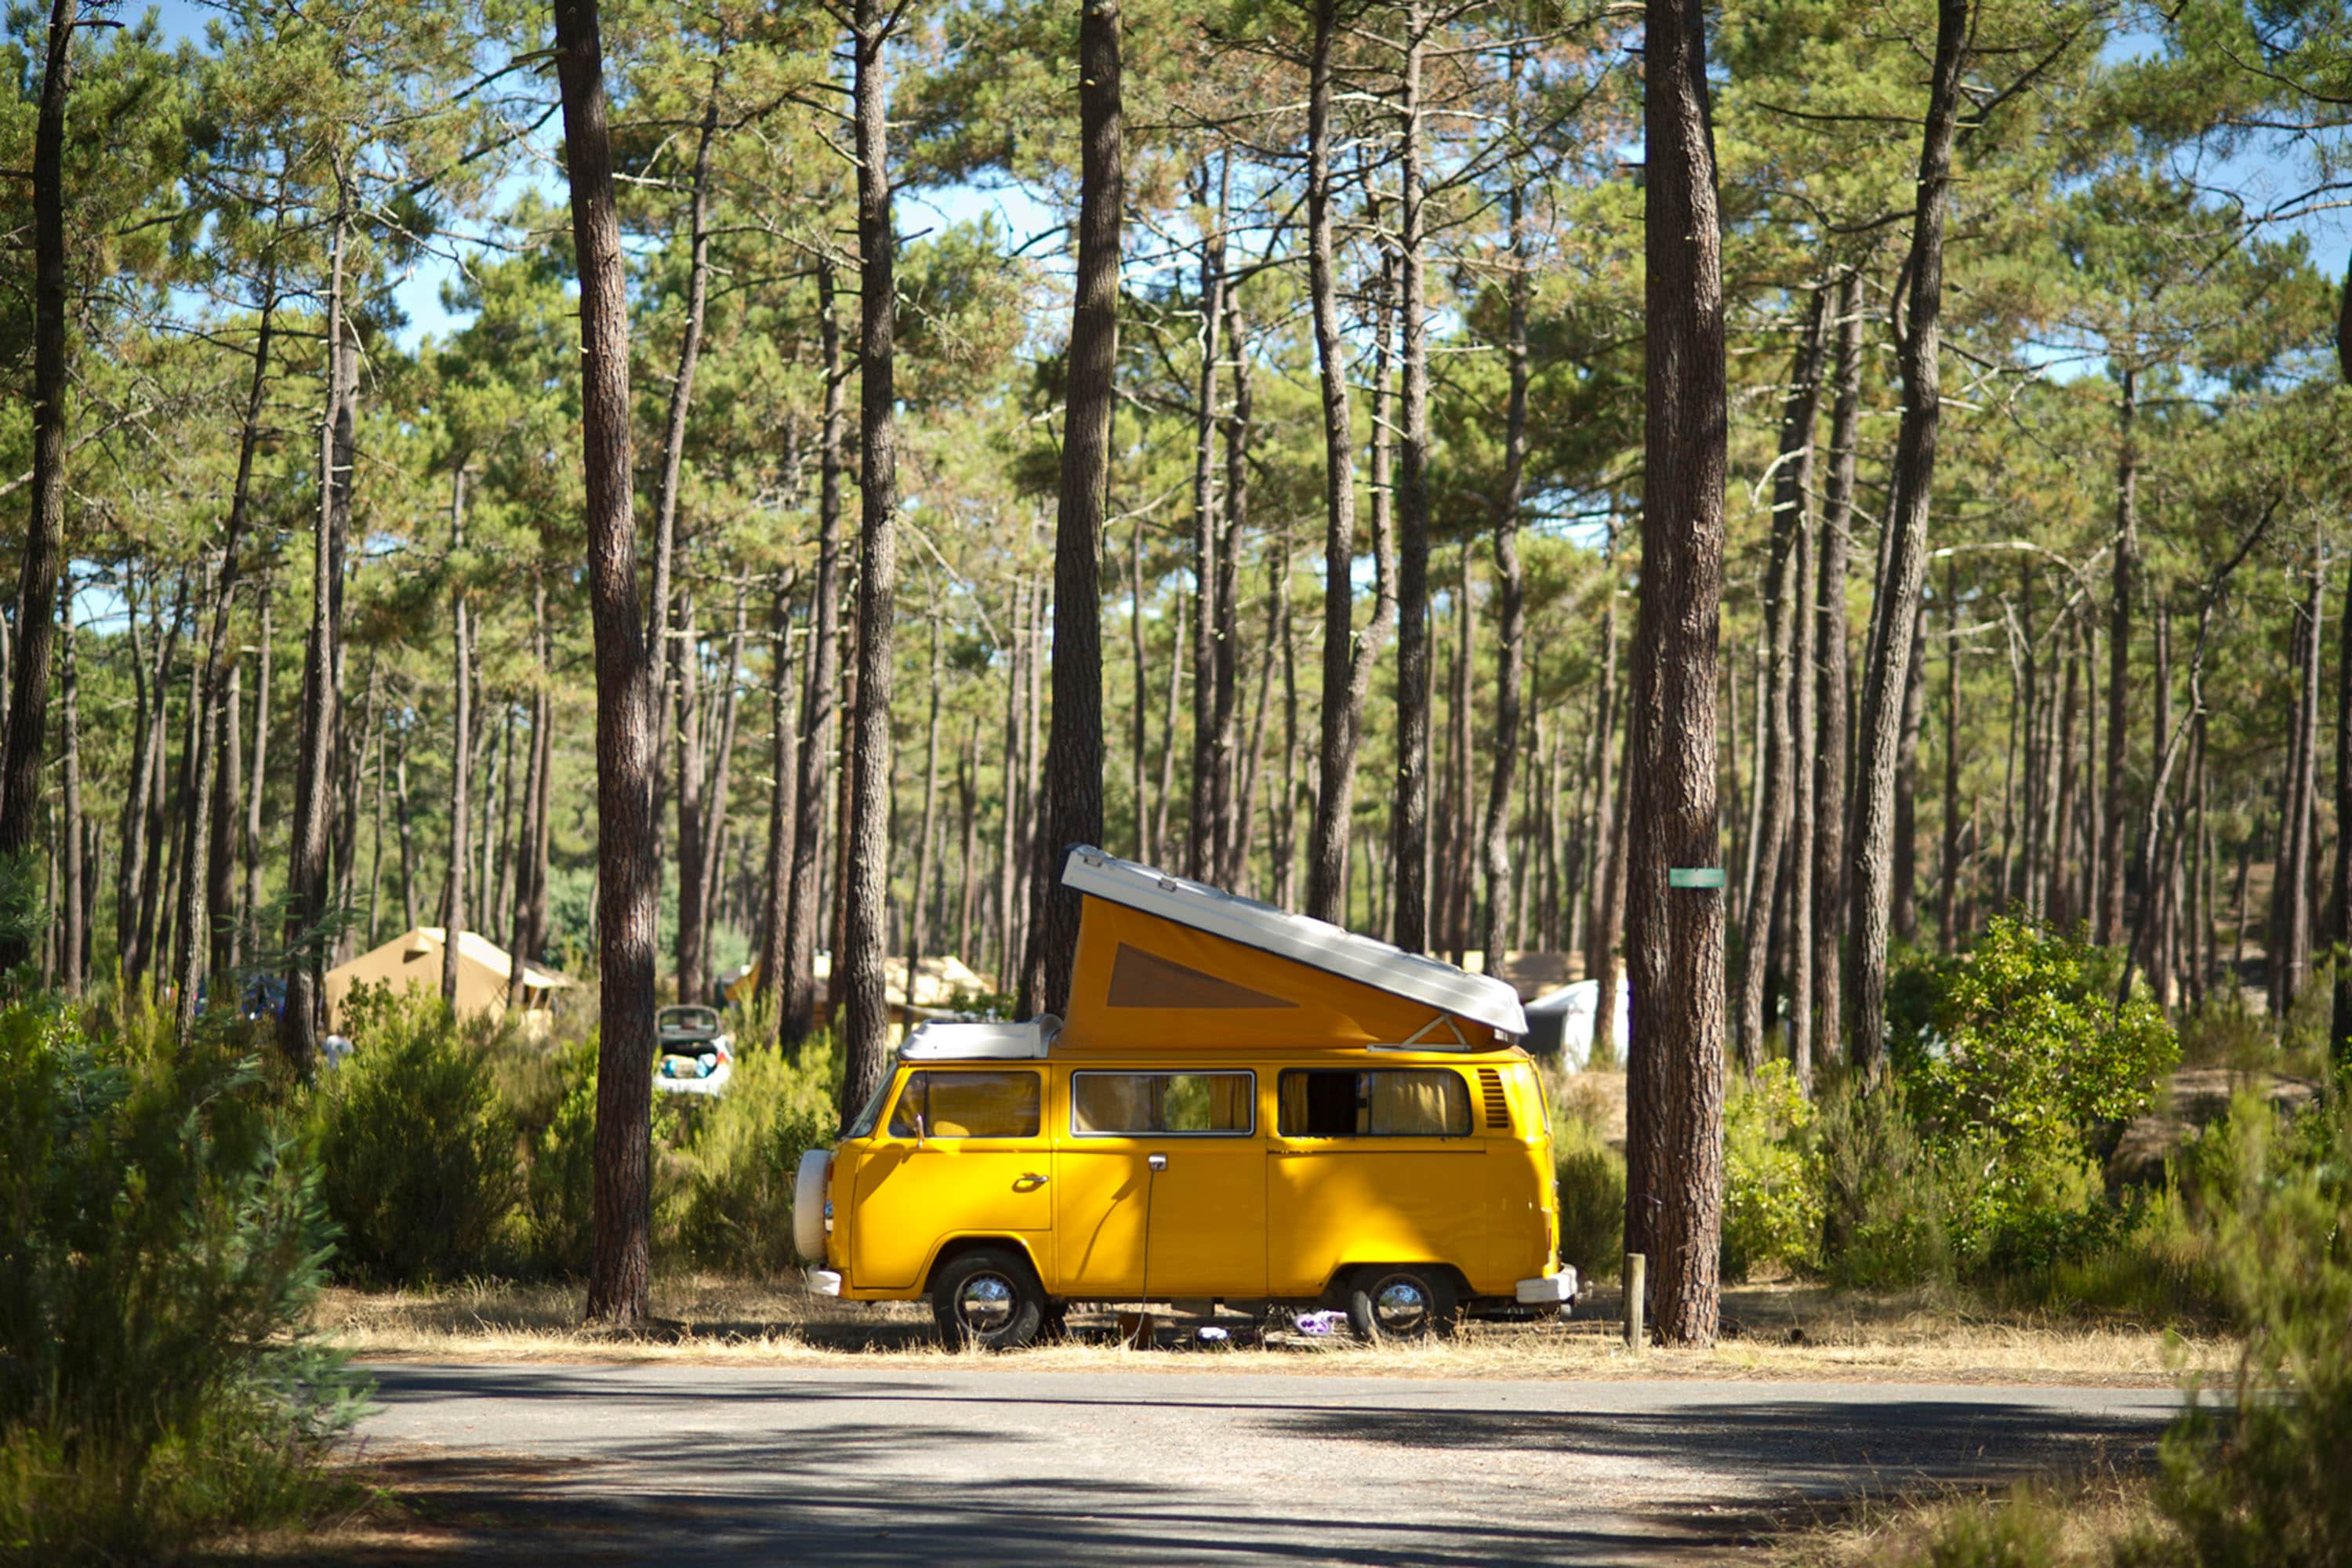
point(560, 1190)
point(1591, 1181)
point(416, 1149)
point(160, 1244)
point(2263, 1481)
point(1885, 1205)
point(1772, 1178)
point(731, 1199)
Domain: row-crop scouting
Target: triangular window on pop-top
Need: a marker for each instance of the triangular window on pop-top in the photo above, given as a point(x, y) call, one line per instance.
point(1141, 979)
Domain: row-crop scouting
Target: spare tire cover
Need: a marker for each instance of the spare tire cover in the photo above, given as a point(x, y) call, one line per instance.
point(808, 1204)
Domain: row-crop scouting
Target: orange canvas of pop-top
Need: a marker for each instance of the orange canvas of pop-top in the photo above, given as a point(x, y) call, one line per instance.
point(1143, 982)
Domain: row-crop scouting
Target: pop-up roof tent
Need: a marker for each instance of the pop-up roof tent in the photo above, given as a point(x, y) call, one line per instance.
point(1164, 963)
point(413, 958)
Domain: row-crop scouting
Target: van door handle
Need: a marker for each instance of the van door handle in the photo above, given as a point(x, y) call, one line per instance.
point(1030, 1180)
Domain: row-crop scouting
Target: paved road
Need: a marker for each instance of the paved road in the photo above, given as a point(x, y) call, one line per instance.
point(711, 1465)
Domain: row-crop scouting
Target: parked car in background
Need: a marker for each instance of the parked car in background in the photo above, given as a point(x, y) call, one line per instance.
point(694, 1053)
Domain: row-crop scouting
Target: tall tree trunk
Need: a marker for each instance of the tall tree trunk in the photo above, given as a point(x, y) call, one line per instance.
point(1347, 656)
point(1200, 831)
point(1674, 1202)
point(627, 881)
point(1073, 754)
point(407, 837)
point(858, 966)
point(1604, 862)
point(1886, 681)
point(260, 778)
point(220, 855)
point(2340, 1020)
point(1904, 912)
point(967, 858)
point(783, 805)
point(1777, 766)
point(684, 701)
point(2108, 915)
point(527, 869)
point(917, 933)
point(1510, 633)
point(1831, 680)
point(1147, 848)
point(76, 913)
point(1230, 796)
point(461, 738)
point(1412, 824)
point(44, 555)
point(297, 1019)
point(1947, 883)
point(811, 791)
point(2299, 851)
point(714, 803)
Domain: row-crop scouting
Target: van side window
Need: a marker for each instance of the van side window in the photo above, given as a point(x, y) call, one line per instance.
point(1398, 1102)
point(1110, 1104)
point(969, 1105)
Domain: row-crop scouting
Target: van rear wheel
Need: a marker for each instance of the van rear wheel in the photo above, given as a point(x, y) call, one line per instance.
point(989, 1297)
point(1401, 1301)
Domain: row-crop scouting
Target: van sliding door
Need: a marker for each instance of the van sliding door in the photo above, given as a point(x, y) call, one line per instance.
point(1195, 1228)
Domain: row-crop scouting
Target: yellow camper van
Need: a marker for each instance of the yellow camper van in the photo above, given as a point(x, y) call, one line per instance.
point(1243, 1106)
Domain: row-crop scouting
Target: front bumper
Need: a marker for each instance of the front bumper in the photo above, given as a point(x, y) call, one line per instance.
point(828, 1282)
point(1551, 1290)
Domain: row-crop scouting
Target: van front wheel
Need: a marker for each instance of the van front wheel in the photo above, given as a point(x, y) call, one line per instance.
point(1407, 1301)
point(989, 1298)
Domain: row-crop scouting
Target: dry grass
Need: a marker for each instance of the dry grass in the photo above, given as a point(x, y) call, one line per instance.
point(2073, 1522)
point(1772, 1331)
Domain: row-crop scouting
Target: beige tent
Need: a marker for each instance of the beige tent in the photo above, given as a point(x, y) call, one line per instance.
point(939, 980)
point(413, 959)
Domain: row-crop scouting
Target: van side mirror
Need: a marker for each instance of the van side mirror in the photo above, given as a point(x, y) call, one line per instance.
point(918, 1129)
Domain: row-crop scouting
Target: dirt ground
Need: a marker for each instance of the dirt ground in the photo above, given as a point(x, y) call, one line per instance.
point(1788, 1331)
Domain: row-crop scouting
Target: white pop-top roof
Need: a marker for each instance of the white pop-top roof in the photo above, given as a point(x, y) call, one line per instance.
point(1024, 1041)
point(1319, 944)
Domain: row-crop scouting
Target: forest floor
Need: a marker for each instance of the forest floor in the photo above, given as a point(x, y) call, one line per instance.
point(1772, 1331)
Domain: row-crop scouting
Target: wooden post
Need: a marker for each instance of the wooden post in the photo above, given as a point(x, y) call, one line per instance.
point(1637, 1269)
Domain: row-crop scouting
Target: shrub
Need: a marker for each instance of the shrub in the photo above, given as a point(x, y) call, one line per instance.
point(2015, 1059)
point(1883, 1200)
point(160, 1243)
point(732, 1203)
point(559, 1191)
point(1591, 1181)
point(1771, 1179)
point(2265, 1484)
point(416, 1149)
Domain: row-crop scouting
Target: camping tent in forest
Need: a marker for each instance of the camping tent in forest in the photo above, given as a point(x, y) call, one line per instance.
point(413, 959)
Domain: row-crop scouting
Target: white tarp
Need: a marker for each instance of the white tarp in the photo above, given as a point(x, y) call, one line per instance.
point(1563, 1020)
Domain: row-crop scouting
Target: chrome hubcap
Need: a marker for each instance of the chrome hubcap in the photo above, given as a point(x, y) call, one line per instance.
point(985, 1304)
point(1400, 1305)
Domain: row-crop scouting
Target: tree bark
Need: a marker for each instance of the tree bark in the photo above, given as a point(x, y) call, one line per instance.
point(1229, 797)
point(298, 1020)
point(2299, 852)
point(1200, 828)
point(811, 792)
point(2340, 1019)
point(461, 738)
point(2108, 915)
point(258, 782)
point(1675, 939)
point(1886, 681)
point(1074, 752)
point(76, 913)
point(917, 933)
point(783, 807)
point(1510, 633)
point(627, 881)
point(1411, 809)
point(1348, 656)
point(1831, 681)
point(529, 871)
point(44, 555)
point(1777, 764)
point(1147, 848)
point(1903, 911)
point(714, 801)
point(858, 967)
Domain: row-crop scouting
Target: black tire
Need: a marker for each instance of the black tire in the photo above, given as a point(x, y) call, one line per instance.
point(1401, 1301)
point(988, 1297)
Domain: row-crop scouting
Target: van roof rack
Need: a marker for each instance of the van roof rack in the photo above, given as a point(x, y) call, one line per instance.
point(947, 1042)
point(1481, 998)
